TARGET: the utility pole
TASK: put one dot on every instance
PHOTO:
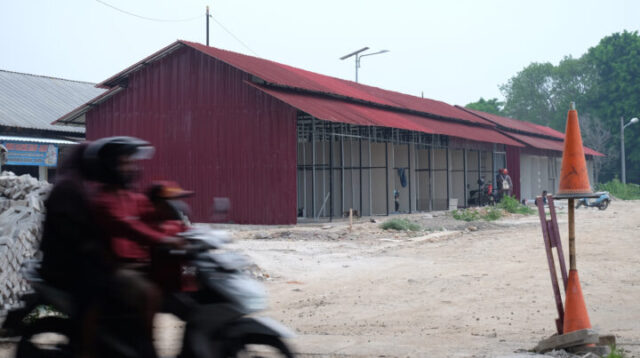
(208, 16)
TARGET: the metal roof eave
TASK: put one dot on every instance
(71, 118)
(316, 105)
(36, 140)
(122, 75)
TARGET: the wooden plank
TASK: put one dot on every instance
(556, 234)
(573, 339)
(551, 264)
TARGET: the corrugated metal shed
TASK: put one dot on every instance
(213, 133)
(30, 101)
(337, 110)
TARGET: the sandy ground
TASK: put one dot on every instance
(483, 292)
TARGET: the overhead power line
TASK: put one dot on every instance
(149, 18)
(234, 36)
(179, 20)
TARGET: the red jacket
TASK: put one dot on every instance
(118, 214)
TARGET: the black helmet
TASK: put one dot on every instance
(101, 158)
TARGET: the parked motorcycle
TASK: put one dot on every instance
(211, 292)
(602, 202)
(483, 196)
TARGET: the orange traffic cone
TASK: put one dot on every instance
(575, 314)
(574, 178)
(574, 183)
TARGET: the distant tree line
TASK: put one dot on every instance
(605, 85)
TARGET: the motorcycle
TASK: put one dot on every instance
(211, 292)
(602, 202)
(483, 196)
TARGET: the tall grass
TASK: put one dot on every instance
(621, 191)
(512, 205)
(615, 353)
(490, 213)
(400, 225)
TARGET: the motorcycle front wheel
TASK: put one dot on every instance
(259, 346)
(46, 337)
(603, 205)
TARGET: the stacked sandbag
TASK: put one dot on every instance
(21, 215)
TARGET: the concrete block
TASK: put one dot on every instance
(576, 338)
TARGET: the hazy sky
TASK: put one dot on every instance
(454, 51)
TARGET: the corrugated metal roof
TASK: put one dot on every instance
(360, 104)
(288, 76)
(535, 129)
(35, 140)
(337, 110)
(516, 124)
(31, 101)
(543, 143)
(76, 116)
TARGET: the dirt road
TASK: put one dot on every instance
(482, 293)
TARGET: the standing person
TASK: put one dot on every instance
(4, 156)
(117, 209)
(505, 185)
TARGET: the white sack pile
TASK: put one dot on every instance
(21, 217)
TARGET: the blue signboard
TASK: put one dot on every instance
(38, 154)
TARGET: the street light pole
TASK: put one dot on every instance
(359, 56)
(622, 158)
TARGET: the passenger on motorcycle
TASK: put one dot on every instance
(169, 213)
(76, 258)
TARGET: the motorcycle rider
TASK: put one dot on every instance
(112, 163)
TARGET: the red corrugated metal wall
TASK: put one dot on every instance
(213, 134)
(513, 164)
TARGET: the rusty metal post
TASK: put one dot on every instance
(572, 236)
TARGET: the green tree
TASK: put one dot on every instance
(573, 81)
(493, 106)
(604, 85)
(617, 95)
(529, 94)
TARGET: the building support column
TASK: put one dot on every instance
(331, 173)
(386, 172)
(313, 167)
(466, 189)
(411, 201)
(43, 173)
(431, 181)
(342, 168)
(360, 169)
(448, 160)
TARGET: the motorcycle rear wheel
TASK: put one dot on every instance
(259, 346)
(46, 337)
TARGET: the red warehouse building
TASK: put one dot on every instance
(285, 144)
